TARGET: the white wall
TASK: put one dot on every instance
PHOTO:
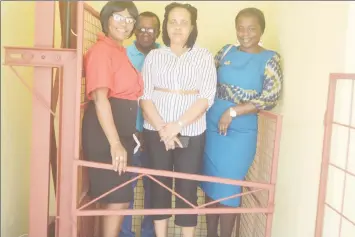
(312, 38)
(341, 186)
(17, 29)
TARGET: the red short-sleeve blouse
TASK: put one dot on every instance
(106, 64)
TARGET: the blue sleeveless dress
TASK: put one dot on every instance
(242, 78)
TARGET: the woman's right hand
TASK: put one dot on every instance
(119, 157)
(224, 123)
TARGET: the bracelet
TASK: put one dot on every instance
(111, 144)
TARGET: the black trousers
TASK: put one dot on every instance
(186, 160)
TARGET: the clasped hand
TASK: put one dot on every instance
(168, 134)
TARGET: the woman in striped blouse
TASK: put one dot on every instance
(179, 87)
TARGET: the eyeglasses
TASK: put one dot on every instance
(121, 19)
(146, 30)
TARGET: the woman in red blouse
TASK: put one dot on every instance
(113, 87)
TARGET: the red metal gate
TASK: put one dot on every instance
(73, 218)
(336, 209)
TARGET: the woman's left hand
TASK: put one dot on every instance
(170, 145)
(170, 131)
(224, 122)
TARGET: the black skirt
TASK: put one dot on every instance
(96, 148)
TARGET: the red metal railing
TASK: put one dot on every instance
(72, 218)
(43, 57)
(336, 209)
(257, 207)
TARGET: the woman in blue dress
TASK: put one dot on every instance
(249, 80)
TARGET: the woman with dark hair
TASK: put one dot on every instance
(249, 80)
(179, 86)
(113, 87)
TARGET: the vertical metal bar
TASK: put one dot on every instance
(347, 159)
(65, 21)
(325, 156)
(74, 201)
(41, 119)
(67, 154)
(79, 50)
(273, 172)
(79, 72)
(54, 148)
(70, 116)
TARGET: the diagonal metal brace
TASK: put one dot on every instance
(43, 60)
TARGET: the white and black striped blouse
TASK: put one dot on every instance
(194, 70)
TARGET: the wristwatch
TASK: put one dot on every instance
(232, 112)
(181, 124)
